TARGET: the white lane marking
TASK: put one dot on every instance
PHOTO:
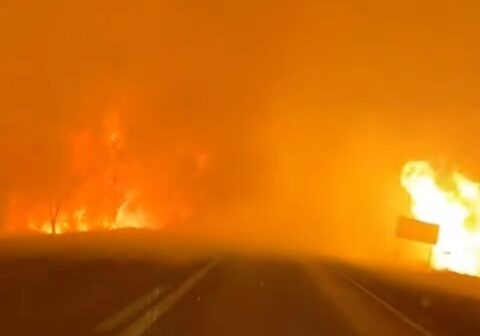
(388, 306)
(132, 309)
(144, 322)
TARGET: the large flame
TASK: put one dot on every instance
(101, 182)
(77, 220)
(453, 202)
(99, 198)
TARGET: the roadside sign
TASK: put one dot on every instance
(412, 229)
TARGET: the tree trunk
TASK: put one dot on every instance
(54, 209)
(54, 226)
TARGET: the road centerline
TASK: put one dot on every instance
(134, 308)
(146, 320)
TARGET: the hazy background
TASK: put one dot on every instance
(275, 123)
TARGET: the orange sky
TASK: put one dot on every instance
(305, 109)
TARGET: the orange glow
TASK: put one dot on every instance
(98, 198)
(455, 207)
(77, 221)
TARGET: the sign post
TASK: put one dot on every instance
(415, 230)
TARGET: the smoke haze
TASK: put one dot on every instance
(273, 123)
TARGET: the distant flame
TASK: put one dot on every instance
(455, 207)
(120, 209)
(102, 186)
(77, 221)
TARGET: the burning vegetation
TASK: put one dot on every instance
(452, 201)
(100, 193)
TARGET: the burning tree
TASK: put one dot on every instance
(92, 194)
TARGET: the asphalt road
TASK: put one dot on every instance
(225, 296)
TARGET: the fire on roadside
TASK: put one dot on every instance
(101, 196)
(77, 220)
(452, 201)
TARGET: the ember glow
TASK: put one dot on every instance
(453, 202)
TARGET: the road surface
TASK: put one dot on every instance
(222, 296)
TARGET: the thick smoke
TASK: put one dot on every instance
(272, 123)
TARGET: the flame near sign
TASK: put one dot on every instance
(453, 202)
